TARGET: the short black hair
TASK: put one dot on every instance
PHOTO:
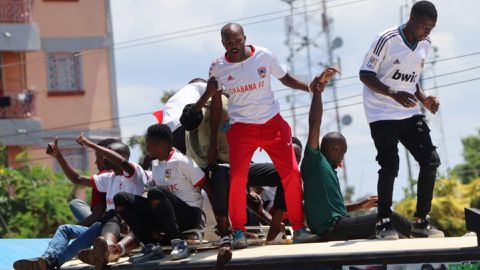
(197, 80)
(424, 8)
(120, 148)
(159, 132)
(106, 142)
(296, 141)
(190, 119)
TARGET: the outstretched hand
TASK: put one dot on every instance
(369, 202)
(52, 148)
(318, 83)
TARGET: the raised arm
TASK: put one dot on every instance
(110, 155)
(316, 107)
(77, 179)
(210, 91)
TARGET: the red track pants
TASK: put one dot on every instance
(275, 138)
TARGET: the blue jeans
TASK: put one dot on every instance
(80, 209)
(59, 247)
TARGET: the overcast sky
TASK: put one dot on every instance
(147, 67)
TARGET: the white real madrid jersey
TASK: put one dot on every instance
(398, 64)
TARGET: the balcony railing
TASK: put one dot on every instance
(15, 11)
(17, 105)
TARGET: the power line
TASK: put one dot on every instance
(119, 46)
(62, 146)
(327, 109)
(436, 87)
(359, 84)
(78, 124)
(148, 113)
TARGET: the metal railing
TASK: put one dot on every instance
(18, 105)
(15, 11)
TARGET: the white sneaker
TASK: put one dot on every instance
(280, 239)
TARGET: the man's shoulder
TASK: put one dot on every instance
(388, 32)
(259, 50)
(104, 173)
(179, 158)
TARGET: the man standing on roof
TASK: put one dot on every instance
(243, 72)
(391, 72)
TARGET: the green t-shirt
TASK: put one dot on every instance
(321, 191)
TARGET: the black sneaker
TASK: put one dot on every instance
(40, 263)
(385, 230)
(149, 252)
(421, 228)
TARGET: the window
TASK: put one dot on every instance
(64, 73)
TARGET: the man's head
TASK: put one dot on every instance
(233, 40)
(197, 80)
(119, 148)
(423, 18)
(297, 148)
(334, 147)
(159, 141)
(99, 160)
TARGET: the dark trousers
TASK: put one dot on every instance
(363, 227)
(160, 211)
(414, 134)
(259, 174)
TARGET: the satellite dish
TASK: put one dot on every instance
(337, 43)
(347, 120)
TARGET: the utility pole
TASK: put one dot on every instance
(403, 13)
(331, 46)
(298, 43)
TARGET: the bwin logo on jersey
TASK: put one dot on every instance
(404, 77)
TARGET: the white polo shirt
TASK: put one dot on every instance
(182, 176)
(111, 183)
(398, 64)
(247, 83)
(190, 93)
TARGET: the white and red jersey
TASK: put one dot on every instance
(112, 183)
(180, 175)
(247, 83)
(398, 64)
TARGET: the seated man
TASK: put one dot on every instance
(86, 214)
(326, 213)
(113, 157)
(173, 204)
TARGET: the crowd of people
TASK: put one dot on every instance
(202, 148)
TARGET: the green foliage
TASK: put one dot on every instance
(140, 141)
(33, 202)
(166, 95)
(471, 154)
(450, 198)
